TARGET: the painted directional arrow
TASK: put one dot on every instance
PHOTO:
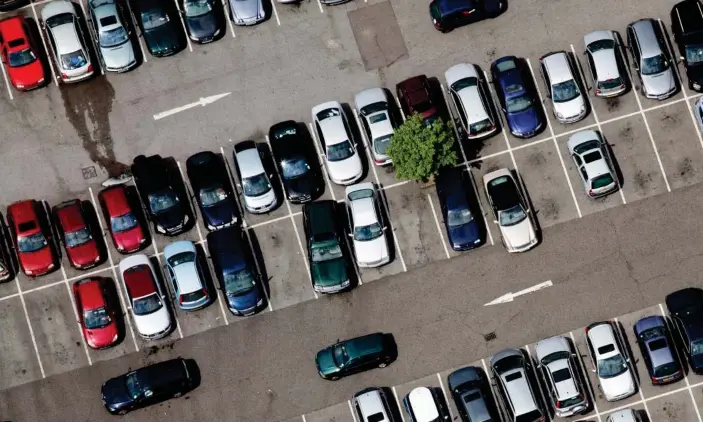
(509, 297)
(202, 102)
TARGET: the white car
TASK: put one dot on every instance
(471, 101)
(625, 415)
(113, 41)
(422, 404)
(559, 370)
(567, 100)
(332, 130)
(609, 358)
(366, 226)
(259, 194)
(592, 159)
(513, 217)
(146, 300)
(66, 40)
(372, 108)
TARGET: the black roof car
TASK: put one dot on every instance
(449, 14)
(212, 189)
(147, 385)
(296, 159)
(471, 393)
(162, 194)
(687, 30)
(503, 192)
(686, 309)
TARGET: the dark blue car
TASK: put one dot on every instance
(212, 189)
(686, 310)
(517, 96)
(236, 271)
(449, 14)
(658, 353)
(454, 190)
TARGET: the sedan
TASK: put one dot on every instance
(160, 28)
(592, 159)
(513, 217)
(612, 364)
(114, 45)
(76, 235)
(212, 189)
(415, 97)
(246, 12)
(186, 276)
(67, 41)
(202, 19)
(259, 194)
(366, 226)
(97, 314)
(563, 88)
(657, 350)
(376, 121)
(464, 231)
(685, 307)
(19, 54)
(449, 14)
(125, 228)
(517, 96)
(152, 318)
(471, 101)
(603, 56)
(32, 238)
(332, 128)
(650, 56)
(560, 371)
(296, 159)
(358, 354)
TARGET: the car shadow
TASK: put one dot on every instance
(677, 345)
(315, 164)
(353, 270)
(628, 350)
(534, 379)
(169, 294)
(195, 373)
(582, 375)
(49, 225)
(179, 185)
(91, 220)
(614, 161)
(445, 113)
(140, 214)
(43, 55)
(533, 90)
(358, 140)
(385, 216)
(210, 284)
(624, 61)
(7, 249)
(91, 44)
(270, 168)
(259, 261)
(475, 205)
(394, 405)
(530, 204)
(113, 302)
(575, 64)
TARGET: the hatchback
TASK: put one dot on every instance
(416, 97)
(146, 300)
(657, 350)
(687, 30)
(67, 42)
(76, 235)
(160, 28)
(449, 14)
(186, 276)
(510, 369)
(651, 59)
(32, 237)
(559, 370)
(604, 59)
(423, 404)
(471, 101)
(19, 54)
(592, 159)
(685, 307)
(212, 189)
(376, 122)
(472, 395)
(114, 45)
(296, 158)
(517, 96)
(358, 354)
(372, 405)
(337, 143)
(366, 226)
(610, 360)
(122, 220)
(457, 200)
(568, 102)
(246, 12)
(259, 194)
(97, 312)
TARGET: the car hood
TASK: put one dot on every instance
(325, 361)
(38, 260)
(153, 323)
(659, 84)
(170, 218)
(371, 251)
(468, 234)
(162, 39)
(220, 213)
(619, 385)
(27, 75)
(83, 254)
(571, 108)
(203, 26)
(130, 239)
(344, 169)
(118, 57)
(524, 121)
(115, 393)
(305, 185)
(247, 9)
(518, 235)
(329, 273)
(261, 200)
(246, 301)
(101, 337)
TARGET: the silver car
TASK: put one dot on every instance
(376, 120)
(186, 276)
(651, 59)
(67, 41)
(470, 100)
(603, 56)
(567, 100)
(592, 160)
(112, 36)
(559, 370)
(246, 12)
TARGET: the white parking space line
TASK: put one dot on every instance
(49, 54)
(46, 286)
(12, 296)
(399, 406)
(225, 8)
(275, 12)
(113, 268)
(303, 417)
(446, 397)
(400, 109)
(7, 81)
(351, 410)
(439, 228)
(323, 160)
(319, 4)
(183, 23)
(75, 313)
(29, 325)
(584, 370)
(136, 28)
(274, 220)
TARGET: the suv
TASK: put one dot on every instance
(358, 354)
(651, 59)
(563, 87)
(471, 393)
(560, 373)
(371, 405)
(415, 96)
(423, 404)
(510, 371)
(259, 194)
(328, 262)
(449, 14)
(686, 310)
(610, 360)
(687, 29)
(471, 101)
(164, 200)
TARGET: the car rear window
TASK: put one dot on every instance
(376, 417)
(506, 65)
(512, 377)
(606, 349)
(15, 43)
(666, 369)
(610, 83)
(592, 156)
(561, 375)
(472, 397)
(192, 296)
(602, 181)
(657, 344)
(29, 225)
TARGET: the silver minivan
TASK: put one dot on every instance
(651, 58)
(371, 405)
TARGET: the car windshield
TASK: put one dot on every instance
(665, 369)
(31, 243)
(535, 415)
(380, 144)
(519, 103)
(181, 258)
(326, 251)
(553, 357)
(457, 218)
(369, 232)
(602, 181)
(113, 37)
(239, 282)
(256, 185)
(123, 223)
(294, 168)
(612, 366)
(569, 402)
(654, 65)
(512, 216)
(328, 113)
(610, 83)
(697, 348)
(72, 61)
(196, 8)
(340, 356)
(147, 304)
(153, 19)
(162, 201)
(480, 126)
(340, 151)
(464, 83)
(21, 58)
(601, 45)
(78, 237)
(60, 19)
(694, 54)
(651, 333)
(133, 388)
(212, 196)
(96, 318)
(565, 91)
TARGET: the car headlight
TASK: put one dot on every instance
(696, 85)
(559, 115)
(41, 80)
(20, 86)
(216, 33)
(114, 339)
(210, 227)
(193, 37)
(142, 241)
(29, 272)
(186, 219)
(160, 229)
(51, 266)
(260, 302)
(97, 259)
(345, 284)
(121, 249)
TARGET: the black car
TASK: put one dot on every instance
(163, 195)
(686, 310)
(8, 5)
(449, 14)
(687, 29)
(159, 23)
(471, 393)
(212, 189)
(6, 267)
(203, 19)
(146, 386)
(295, 157)
(454, 191)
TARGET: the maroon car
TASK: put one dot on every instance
(76, 236)
(415, 96)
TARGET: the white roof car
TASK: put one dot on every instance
(366, 225)
(377, 122)
(146, 300)
(625, 415)
(112, 35)
(611, 363)
(183, 271)
(559, 370)
(69, 46)
(472, 102)
(332, 130)
(259, 194)
(603, 55)
(567, 101)
(421, 406)
(513, 217)
(592, 160)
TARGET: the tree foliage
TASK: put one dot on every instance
(419, 151)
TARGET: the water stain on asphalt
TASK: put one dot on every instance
(642, 180)
(537, 159)
(669, 120)
(626, 133)
(612, 103)
(685, 168)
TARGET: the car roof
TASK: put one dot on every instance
(333, 130)
(471, 99)
(186, 273)
(510, 77)
(452, 187)
(321, 215)
(290, 144)
(557, 66)
(24, 212)
(687, 299)
(690, 15)
(518, 390)
(423, 405)
(364, 211)
(645, 33)
(90, 294)
(605, 60)
(115, 199)
(13, 29)
(139, 282)
(414, 89)
(151, 172)
(70, 215)
(450, 6)
(602, 334)
(205, 167)
(370, 402)
(226, 246)
(166, 373)
(67, 40)
(369, 96)
(249, 160)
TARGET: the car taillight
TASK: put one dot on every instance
(590, 192)
(180, 300)
(558, 404)
(655, 380)
(467, 12)
(205, 293)
(64, 76)
(90, 67)
(598, 91)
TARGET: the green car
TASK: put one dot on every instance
(326, 251)
(355, 355)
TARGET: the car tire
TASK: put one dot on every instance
(177, 395)
(383, 364)
(122, 412)
(333, 378)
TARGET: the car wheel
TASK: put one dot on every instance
(177, 395)
(333, 378)
(122, 412)
(382, 365)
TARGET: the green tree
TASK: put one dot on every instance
(419, 151)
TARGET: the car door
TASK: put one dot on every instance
(460, 109)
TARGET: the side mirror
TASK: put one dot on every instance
(495, 221)
(528, 210)
(385, 228)
(350, 235)
(593, 370)
(681, 58)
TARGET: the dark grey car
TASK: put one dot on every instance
(471, 394)
(658, 352)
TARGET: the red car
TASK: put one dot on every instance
(415, 96)
(32, 238)
(125, 229)
(19, 55)
(76, 236)
(95, 314)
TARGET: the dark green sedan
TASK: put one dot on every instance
(160, 26)
(348, 357)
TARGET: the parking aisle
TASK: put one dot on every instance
(341, 412)
(20, 362)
